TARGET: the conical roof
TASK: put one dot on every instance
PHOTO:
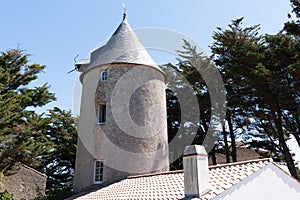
(123, 47)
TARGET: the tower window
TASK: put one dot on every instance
(104, 76)
(98, 171)
(102, 114)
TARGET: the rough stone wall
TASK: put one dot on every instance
(140, 139)
(26, 183)
(84, 168)
(105, 142)
(242, 154)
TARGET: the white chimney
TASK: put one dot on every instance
(196, 173)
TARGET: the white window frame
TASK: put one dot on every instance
(102, 114)
(104, 76)
(97, 173)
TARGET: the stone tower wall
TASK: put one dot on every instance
(89, 135)
(130, 144)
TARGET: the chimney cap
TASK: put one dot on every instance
(194, 150)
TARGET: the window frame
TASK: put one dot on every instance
(104, 76)
(101, 114)
(100, 174)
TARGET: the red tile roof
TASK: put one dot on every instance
(170, 185)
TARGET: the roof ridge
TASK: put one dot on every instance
(33, 170)
(155, 174)
(240, 162)
(209, 167)
(278, 166)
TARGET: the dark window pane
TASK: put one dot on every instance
(102, 114)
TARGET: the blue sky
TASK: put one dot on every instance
(55, 31)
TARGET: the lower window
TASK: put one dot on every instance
(98, 171)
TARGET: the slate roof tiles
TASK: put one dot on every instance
(123, 47)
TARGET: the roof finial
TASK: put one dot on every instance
(124, 13)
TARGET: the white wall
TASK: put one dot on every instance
(267, 183)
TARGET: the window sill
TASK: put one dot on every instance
(101, 123)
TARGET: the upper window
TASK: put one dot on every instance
(98, 171)
(104, 76)
(102, 114)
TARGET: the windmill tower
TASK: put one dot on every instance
(122, 124)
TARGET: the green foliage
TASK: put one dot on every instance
(46, 142)
(18, 125)
(263, 74)
(56, 193)
(59, 193)
(6, 196)
(59, 161)
(187, 77)
(293, 27)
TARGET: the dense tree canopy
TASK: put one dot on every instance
(266, 68)
(18, 124)
(187, 77)
(261, 74)
(47, 141)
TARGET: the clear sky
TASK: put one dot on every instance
(55, 31)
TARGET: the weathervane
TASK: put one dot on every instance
(124, 13)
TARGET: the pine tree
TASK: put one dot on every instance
(262, 65)
(47, 141)
(17, 103)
